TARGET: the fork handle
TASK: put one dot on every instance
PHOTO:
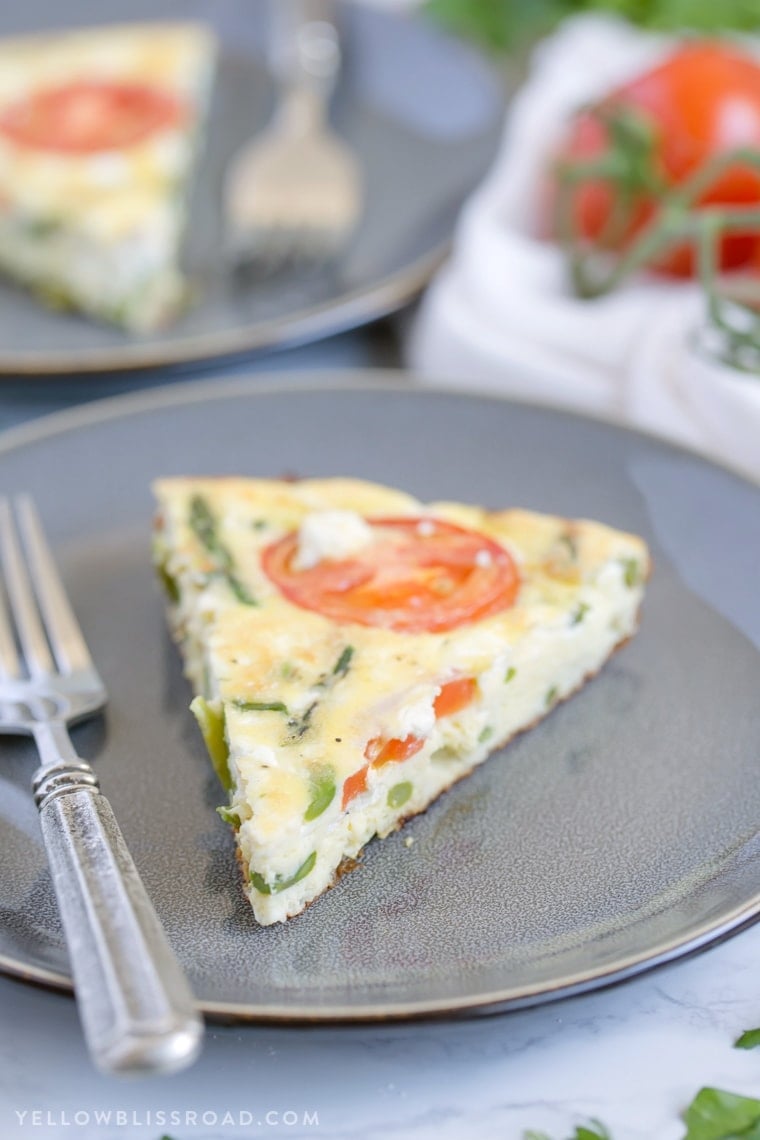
(137, 1011)
(307, 56)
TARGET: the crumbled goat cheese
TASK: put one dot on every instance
(330, 534)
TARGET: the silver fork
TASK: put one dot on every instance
(136, 1007)
(293, 194)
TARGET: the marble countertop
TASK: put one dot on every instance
(632, 1056)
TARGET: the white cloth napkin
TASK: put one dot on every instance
(500, 316)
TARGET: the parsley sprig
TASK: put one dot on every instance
(512, 26)
(714, 1114)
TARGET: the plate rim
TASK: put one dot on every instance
(324, 381)
(309, 325)
(272, 381)
(504, 1000)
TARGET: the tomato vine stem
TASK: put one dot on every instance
(630, 167)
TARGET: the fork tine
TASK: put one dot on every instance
(31, 635)
(63, 631)
(10, 665)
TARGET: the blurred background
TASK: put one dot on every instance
(570, 186)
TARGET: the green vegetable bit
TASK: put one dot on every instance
(298, 726)
(240, 591)
(323, 787)
(261, 706)
(160, 560)
(551, 696)
(37, 228)
(344, 661)
(718, 1115)
(579, 613)
(169, 583)
(281, 884)
(210, 718)
(399, 794)
(485, 734)
(204, 527)
(510, 674)
(631, 572)
(229, 816)
(750, 1039)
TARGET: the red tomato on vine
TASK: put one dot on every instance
(648, 138)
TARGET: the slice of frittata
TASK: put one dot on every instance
(98, 135)
(354, 651)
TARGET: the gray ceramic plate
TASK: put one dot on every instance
(422, 114)
(620, 833)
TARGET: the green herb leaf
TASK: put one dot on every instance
(485, 734)
(281, 884)
(510, 673)
(261, 706)
(551, 696)
(718, 1115)
(229, 816)
(750, 1039)
(322, 786)
(512, 26)
(594, 1130)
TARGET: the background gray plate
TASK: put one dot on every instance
(620, 832)
(423, 115)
